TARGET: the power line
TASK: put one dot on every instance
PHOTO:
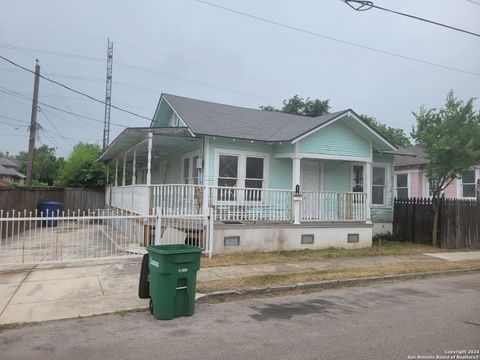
(12, 125)
(75, 91)
(298, 29)
(179, 78)
(363, 5)
(51, 123)
(14, 93)
(13, 119)
(74, 123)
(51, 52)
(473, 2)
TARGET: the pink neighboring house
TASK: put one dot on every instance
(411, 180)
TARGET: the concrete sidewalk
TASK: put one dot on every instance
(60, 291)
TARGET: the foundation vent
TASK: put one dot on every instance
(353, 238)
(307, 238)
(231, 240)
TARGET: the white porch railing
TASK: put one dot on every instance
(180, 199)
(333, 206)
(239, 204)
(133, 198)
(233, 203)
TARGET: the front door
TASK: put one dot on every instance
(310, 175)
(311, 183)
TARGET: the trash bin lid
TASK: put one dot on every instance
(174, 249)
(51, 203)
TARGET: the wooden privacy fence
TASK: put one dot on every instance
(27, 198)
(458, 222)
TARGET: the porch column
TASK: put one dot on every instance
(124, 165)
(134, 165)
(149, 161)
(295, 182)
(116, 173)
(368, 188)
(108, 173)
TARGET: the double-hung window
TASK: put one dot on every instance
(402, 185)
(378, 185)
(468, 184)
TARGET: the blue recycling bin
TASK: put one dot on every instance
(49, 209)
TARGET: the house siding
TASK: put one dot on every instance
(336, 139)
(173, 173)
(280, 170)
(284, 148)
(337, 176)
(384, 213)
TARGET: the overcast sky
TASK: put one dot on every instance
(191, 49)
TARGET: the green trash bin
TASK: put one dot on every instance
(173, 279)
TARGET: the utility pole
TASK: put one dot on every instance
(108, 95)
(33, 125)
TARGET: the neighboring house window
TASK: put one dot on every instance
(428, 190)
(402, 186)
(378, 185)
(357, 178)
(468, 184)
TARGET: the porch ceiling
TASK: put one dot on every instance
(164, 140)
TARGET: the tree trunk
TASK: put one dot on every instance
(435, 207)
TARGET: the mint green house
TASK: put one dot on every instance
(269, 180)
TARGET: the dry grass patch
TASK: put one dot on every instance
(256, 257)
(330, 274)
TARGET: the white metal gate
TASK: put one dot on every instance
(34, 237)
(196, 230)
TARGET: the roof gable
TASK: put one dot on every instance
(208, 118)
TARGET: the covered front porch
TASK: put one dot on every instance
(170, 171)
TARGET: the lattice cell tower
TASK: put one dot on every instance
(108, 95)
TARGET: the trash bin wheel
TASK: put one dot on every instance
(150, 306)
(143, 285)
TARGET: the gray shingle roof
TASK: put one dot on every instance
(7, 171)
(420, 157)
(9, 163)
(208, 118)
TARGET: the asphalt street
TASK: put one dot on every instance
(401, 320)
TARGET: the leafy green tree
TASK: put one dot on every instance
(45, 164)
(300, 106)
(82, 169)
(450, 138)
(394, 135)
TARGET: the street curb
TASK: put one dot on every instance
(326, 284)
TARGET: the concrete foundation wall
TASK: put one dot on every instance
(382, 227)
(288, 237)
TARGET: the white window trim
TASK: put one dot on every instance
(190, 155)
(386, 186)
(242, 155)
(460, 183)
(409, 182)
